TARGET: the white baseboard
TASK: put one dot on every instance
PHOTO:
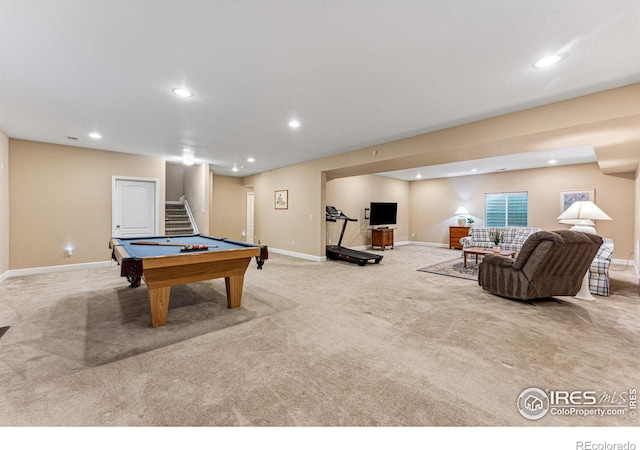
(298, 255)
(627, 263)
(100, 264)
(622, 262)
(429, 244)
(63, 268)
(395, 244)
(324, 258)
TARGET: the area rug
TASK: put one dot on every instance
(454, 268)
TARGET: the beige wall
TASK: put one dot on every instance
(352, 195)
(61, 195)
(588, 119)
(4, 204)
(636, 228)
(300, 228)
(196, 192)
(433, 202)
(608, 120)
(228, 217)
(175, 181)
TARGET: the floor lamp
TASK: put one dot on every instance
(581, 215)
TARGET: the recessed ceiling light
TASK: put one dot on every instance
(418, 176)
(95, 135)
(182, 92)
(235, 169)
(251, 159)
(552, 161)
(187, 156)
(294, 124)
(474, 170)
(548, 61)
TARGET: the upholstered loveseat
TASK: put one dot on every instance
(599, 269)
(512, 237)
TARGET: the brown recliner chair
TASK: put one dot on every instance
(550, 263)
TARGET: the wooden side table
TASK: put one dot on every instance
(455, 233)
(382, 237)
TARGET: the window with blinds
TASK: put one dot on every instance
(506, 209)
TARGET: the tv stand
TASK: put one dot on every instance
(382, 237)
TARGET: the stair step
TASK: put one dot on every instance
(172, 232)
(176, 220)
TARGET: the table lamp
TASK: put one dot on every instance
(461, 218)
(581, 215)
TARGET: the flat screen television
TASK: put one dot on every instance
(383, 213)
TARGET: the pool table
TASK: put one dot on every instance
(166, 261)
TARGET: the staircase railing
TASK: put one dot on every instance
(191, 219)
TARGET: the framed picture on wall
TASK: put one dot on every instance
(568, 197)
(282, 199)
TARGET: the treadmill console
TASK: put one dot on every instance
(333, 213)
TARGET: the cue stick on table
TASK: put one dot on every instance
(174, 244)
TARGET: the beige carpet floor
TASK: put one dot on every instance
(314, 344)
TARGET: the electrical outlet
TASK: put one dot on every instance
(329, 241)
(293, 242)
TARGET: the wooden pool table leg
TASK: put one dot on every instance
(159, 305)
(234, 290)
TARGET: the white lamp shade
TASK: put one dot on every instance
(461, 210)
(583, 210)
(577, 222)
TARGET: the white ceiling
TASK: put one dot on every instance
(520, 161)
(353, 72)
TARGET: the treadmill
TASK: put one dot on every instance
(338, 252)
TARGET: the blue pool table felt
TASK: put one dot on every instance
(144, 251)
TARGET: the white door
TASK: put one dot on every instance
(134, 211)
(250, 226)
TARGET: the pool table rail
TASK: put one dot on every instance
(160, 272)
